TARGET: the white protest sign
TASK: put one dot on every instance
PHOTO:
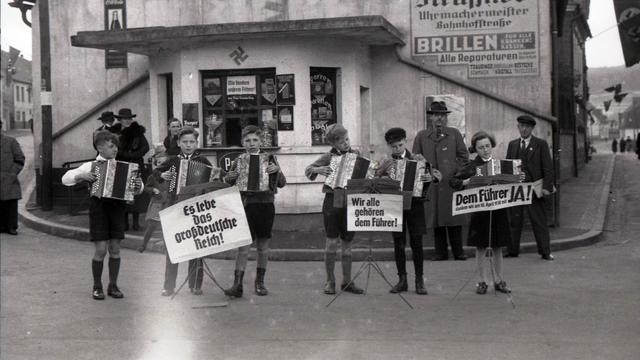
(492, 197)
(205, 225)
(374, 212)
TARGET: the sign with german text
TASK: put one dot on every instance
(205, 225)
(241, 85)
(491, 38)
(493, 197)
(115, 19)
(374, 212)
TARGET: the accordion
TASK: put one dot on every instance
(115, 179)
(347, 167)
(185, 172)
(497, 167)
(408, 173)
(252, 172)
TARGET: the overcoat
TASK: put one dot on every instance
(11, 163)
(479, 221)
(132, 148)
(448, 154)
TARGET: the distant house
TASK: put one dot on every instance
(17, 99)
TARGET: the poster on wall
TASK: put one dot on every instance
(285, 118)
(115, 18)
(323, 103)
(268, 90)
(190, 115)
(492, 39)
(455, 104)
(286, 89)
(212, 91)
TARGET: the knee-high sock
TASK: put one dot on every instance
(330, 258)
(481, 254)
(346, 261)
(263, 253)
(96, 269)
(114, 269)
(242, 257)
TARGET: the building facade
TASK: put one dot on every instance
(17, 100)
(295, 67)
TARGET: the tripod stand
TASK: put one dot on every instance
(492, 265)
(200, 264)
(368, 264)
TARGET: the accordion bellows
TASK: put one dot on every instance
(408, 173)
(252, 172)
(347, 167)
(115, 179)
(185, 173)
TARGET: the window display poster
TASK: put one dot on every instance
(212, 91)
(490, 38)
(190, 115)
(115, 18)
(268, 89)
(239, 86)
(286, 89)
(285, 118)
(455, 104)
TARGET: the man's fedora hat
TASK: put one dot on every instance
(107, 116)
(527, 120)
(438, 107)
(125, 113)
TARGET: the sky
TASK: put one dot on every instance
(602, 50)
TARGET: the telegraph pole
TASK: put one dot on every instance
(46, 102)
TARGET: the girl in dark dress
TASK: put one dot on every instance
(479, 230)
(171, 141)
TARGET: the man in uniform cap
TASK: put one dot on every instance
(536, 164)
(443, 147)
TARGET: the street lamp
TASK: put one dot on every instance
(23, 6)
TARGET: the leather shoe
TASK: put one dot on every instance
(511, 255)
(167, 292)
(461, 257)
(114, 292)
(352, 288)
(330, 288)
(197, 291)
(548, 257)
(97, 294)
(502, 287)
(481, 288)
(12, 232)
(420, 289)
(439, 258)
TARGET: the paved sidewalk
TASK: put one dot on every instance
(583, 204)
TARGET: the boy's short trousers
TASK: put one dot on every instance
(335, 220)
(106, 219)
(260, 217)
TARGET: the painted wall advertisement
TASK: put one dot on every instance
(205, 225)
(492, 38)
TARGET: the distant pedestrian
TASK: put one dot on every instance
(638, 146)
(614, 146)
(537, 164)
(11, 163)
(629, 144)
(623, 145)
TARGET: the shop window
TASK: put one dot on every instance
(233, 99)
(323, 103)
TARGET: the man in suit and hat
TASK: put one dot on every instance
(536, 164)
(109, 122)
(443, 147)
